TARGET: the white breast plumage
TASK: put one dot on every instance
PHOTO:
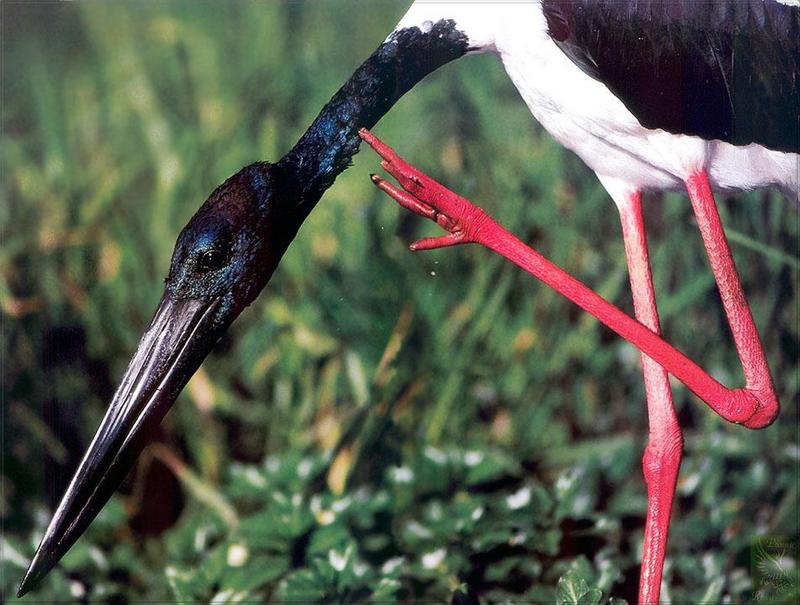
(587, 118)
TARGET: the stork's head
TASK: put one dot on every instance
(223, 258)
(228, 250)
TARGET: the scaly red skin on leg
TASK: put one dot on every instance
(754, 406)
(662, 457)
(740, 320)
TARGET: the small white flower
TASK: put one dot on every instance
(99, 558)
(419, 530)
(689, 484)
(273, 464)
(435, 511)
(76, 589)
(338, 560)
(436, 455)
(237, 555)
(341, 505)
(222, 597)
(473, 458)
(792, 451)
(326, 517)
(304, 468)
(200, 538)
(519, 498)
(402, 474)
(359, 569)
(254, 477)
(567, 480)
(432, 560)
(391, 565)
(563, 483)
(322, 515)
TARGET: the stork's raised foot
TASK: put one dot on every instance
(427, 198)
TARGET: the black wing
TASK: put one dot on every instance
(718, 69)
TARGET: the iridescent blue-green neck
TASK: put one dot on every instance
(405, 58)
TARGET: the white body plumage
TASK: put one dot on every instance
(587, 118)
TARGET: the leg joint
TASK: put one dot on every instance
(663, 454)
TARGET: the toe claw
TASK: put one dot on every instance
(443, 241)
(408, 176)
(406, 200)
(381, 148)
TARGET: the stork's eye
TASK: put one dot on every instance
(210, 260)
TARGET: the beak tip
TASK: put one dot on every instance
(27, 582)
(41, 564)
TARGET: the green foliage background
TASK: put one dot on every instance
(379, 425)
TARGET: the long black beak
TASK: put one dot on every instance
(176, 342)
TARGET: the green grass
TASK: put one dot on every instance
(379, 425)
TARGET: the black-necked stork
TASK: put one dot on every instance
(652, 95)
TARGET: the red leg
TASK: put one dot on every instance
(754, 406)
(745, 335)
(662, 456)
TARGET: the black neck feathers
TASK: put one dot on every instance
(407, 56)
